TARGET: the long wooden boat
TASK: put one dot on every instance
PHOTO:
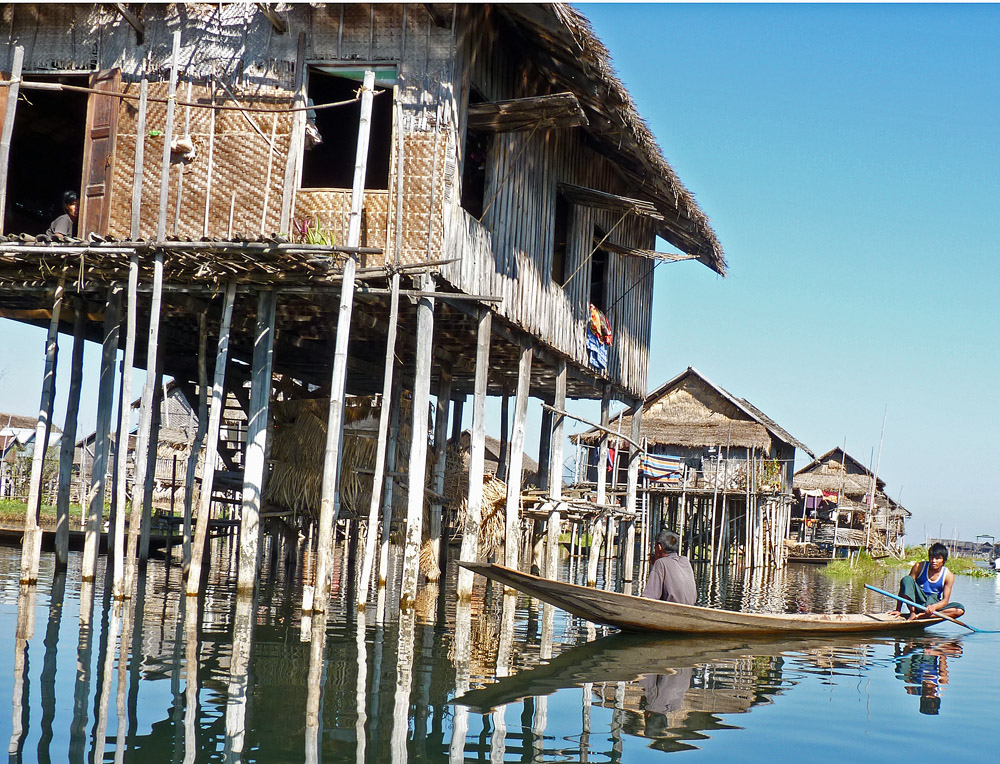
(630, 613)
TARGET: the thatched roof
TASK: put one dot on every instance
(707, 416)
(20, 422)
(838, 472)
(576, 60)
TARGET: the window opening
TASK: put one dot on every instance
(560, 239)
(599, 273)
(477, 146)
(46, 154)
(332, 134)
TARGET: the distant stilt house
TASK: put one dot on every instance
(311, 201)
(17, 446)
(717, 469)
(834, 507)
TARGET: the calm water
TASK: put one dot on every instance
(218, 680)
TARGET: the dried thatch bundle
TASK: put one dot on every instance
(492, 524)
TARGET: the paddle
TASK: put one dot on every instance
(935, 613)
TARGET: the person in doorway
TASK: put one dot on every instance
(65, 224)
(929, 584)
(670, 577)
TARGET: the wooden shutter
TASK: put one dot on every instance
(99, 154)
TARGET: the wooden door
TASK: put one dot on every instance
(99, 154)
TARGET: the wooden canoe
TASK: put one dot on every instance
(630, 613)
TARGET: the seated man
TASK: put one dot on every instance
(929, 584)
(670, 578)
(65, 224)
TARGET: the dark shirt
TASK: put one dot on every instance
(672, 580)
(63, 224)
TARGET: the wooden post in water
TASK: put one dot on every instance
(67, 445)
(199, 436)
(477, 456)
(31, 546)
(149, 477)
(502, 457)
(379, 482)
(253, 463)
(193, 583)
(416, 476)
(389, 484)
(440, 459)
(330, 494)
(555, 459)
(544, 447)
(102, 440)
(631, 492)
(597, 531)
(513, 505)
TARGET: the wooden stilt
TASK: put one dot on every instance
(477, 453)
(458, 407)
(631, 492)
(440, 459)
(149, 479)
(193, 583)
(102, 441)
(8, 127)
(379, 481)
(199, 437)
(416, 478)
(330, 496)
(597, 532)
(253, 462)
(31, 546)
(544, 447)
(504, 437)
(67, 445)
(389, 484)
(513, 506)
(555, 459)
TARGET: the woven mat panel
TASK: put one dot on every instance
(388, 31)
(357, 31)
(332, 209)
(42, 29)
(321, 42)
(418, 181)
(239, 164)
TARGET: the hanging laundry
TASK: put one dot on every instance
(662, 469)
(611, 459)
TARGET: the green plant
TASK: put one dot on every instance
(309, 231)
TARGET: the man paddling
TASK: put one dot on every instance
(670, 578)
(929, 584)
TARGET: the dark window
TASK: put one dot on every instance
(599, 273)
(560, 239)
(477, 146)
(46, 154)
(329, 163)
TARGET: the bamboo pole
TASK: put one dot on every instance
(8, 128)
(440, 459)
(555, 451)
(211, 443)
(67, 445)
(31, 546)
(295, 143)
(416, 478)
(502, 457)
(330, 495)
(102, 440)
(477, 455)
(152, 446)
(379, 480)
(253, 462)
(389, 484)
(514, 471)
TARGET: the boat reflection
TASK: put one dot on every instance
(671, 690)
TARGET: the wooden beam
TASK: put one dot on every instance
(279, 24)
(199, 438)
(600, 427)
(549, 111)
(440, 458)
(598, 531)
(133, 21)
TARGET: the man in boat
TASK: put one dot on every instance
(929, 584)
(670, 578)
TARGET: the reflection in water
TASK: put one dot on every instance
(923, 666)
(220, 678)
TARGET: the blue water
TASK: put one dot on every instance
(383, 688)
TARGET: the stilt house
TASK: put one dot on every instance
(835, 507)
(462, 189)
(716, 468)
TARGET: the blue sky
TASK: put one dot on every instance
(847, 156)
